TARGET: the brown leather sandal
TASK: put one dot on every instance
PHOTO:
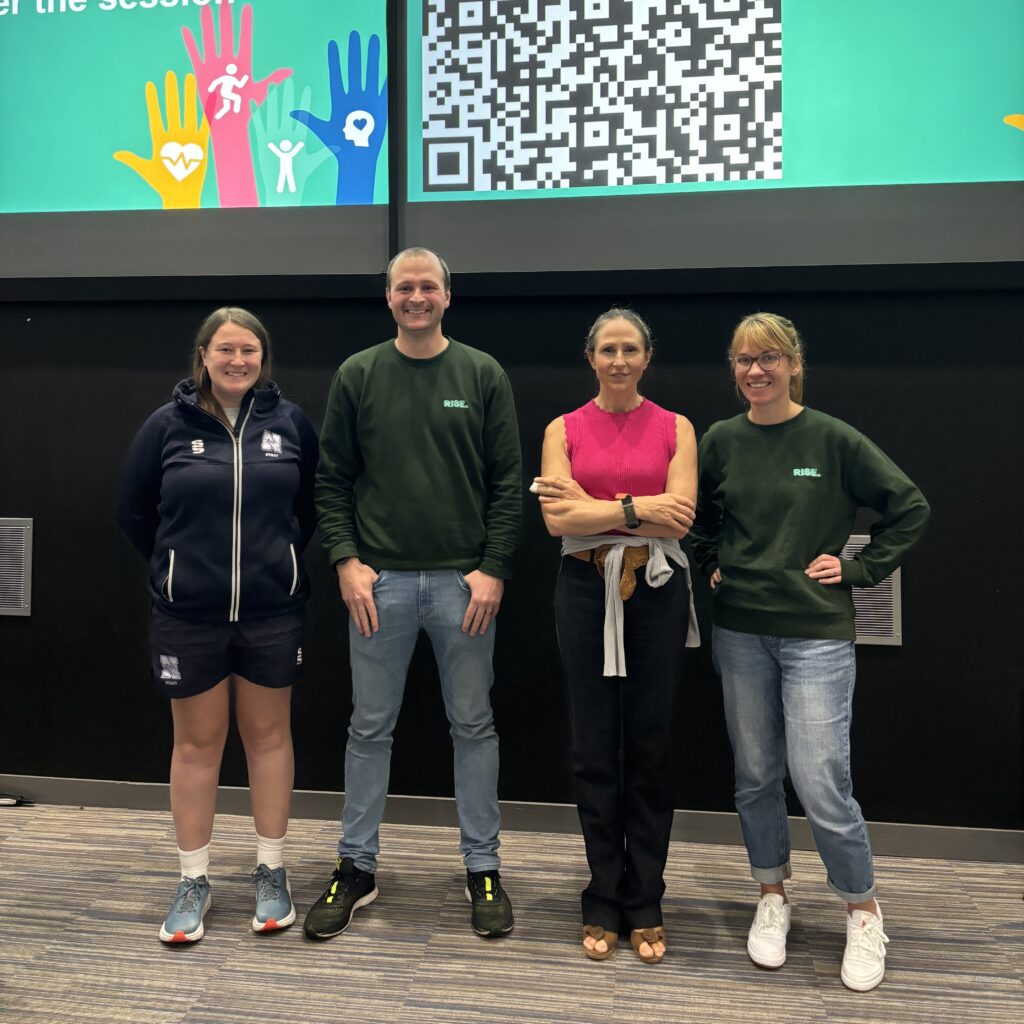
(638, 936)
(597, 933)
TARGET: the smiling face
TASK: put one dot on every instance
(773, 394)
(762, 388)
(417, 296)
(619, 358)
(232, 360)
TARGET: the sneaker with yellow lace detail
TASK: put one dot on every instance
(492, 909)
(349, 889)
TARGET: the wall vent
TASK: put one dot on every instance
(879, 609)
(15, 566)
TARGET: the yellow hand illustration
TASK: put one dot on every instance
(176, 169)
(1017, 120)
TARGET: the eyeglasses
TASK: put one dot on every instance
(766, 360)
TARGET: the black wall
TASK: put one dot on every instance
(929, 370)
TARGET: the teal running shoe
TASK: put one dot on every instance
(184, 922)
(274, 907)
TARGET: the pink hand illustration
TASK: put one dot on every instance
(229, 94)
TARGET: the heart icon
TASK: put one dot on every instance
(359, 123)
(181, 160)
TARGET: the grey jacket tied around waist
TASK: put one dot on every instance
(661, 551)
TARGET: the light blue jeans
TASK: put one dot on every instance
(435, 601)
(788, 701)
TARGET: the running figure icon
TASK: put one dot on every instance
(226, 85)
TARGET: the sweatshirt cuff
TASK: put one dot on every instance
(496, 569)
(346, 549)
(854, 574)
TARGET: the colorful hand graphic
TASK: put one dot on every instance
(176, 169)
(229, 95)
(354, 132)
(1015, 121)
(276, 127)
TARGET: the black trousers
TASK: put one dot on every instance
(621, 739)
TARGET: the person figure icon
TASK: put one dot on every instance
(286, 154)
(226, 84)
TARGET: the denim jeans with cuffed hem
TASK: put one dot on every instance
(435, 601)
(788, 701)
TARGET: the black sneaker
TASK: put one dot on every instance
(349, 890)
(492, 909)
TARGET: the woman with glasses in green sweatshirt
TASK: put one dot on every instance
(780, 485)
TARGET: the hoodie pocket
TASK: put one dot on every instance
(168, 588)
(295, 570)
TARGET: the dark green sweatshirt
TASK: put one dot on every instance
(773, 498)
(420, 465)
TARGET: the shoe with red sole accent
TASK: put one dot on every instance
(184, 922)
(274, 907)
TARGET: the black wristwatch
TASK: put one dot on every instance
(627, 506)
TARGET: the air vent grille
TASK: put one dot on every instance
(879, 609)
(15, 566)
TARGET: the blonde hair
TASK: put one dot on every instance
(769, 332)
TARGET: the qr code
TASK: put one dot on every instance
(541, 94)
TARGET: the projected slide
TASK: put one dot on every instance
(187, 104)
(609, 97)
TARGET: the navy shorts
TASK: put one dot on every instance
(189, 658)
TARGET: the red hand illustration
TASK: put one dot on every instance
(228, 94)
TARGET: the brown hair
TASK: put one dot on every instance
(207, 329)
(769, 332)
(419, 250)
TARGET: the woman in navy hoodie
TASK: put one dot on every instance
(217, 495)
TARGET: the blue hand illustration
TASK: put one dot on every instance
(354, 132)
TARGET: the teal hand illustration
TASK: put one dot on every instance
(288, 153)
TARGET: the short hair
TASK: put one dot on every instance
(207, 329)
(619, 313)
(419, 250)
(770, 332)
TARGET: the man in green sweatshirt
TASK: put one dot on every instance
(419, 502)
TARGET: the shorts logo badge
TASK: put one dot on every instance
(456, 403)
(198, 447)
(271, 444)
(298, 656)
(169, 671)
(806, 471)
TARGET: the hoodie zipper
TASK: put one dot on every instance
(236, 511)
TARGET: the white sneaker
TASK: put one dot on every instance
(766, 942)
(864, 959)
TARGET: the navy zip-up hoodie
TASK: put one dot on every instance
(221, 515)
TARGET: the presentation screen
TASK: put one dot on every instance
(723, 111)
(193, 137)
(252, 137)
(191, 104)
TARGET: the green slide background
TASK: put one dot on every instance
(874, 92)
(72, 91)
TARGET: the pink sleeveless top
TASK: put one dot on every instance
(620, 452)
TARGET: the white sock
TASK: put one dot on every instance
(270, 851)
(195, 863)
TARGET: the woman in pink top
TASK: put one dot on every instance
(618, 485)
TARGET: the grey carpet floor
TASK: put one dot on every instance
(83, 891)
